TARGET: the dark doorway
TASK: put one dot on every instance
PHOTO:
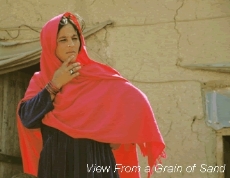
(226, 140)
(32, 69)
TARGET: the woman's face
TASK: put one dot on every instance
(68, 43)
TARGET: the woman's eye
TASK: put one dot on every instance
(75, 38)
(62, 40)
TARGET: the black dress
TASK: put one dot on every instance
(63, 156)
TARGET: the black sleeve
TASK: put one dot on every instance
(32, 111)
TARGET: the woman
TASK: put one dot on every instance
(76, 110)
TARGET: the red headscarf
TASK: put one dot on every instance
(99, 104)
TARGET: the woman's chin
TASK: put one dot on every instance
(74, 59)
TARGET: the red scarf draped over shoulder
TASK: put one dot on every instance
(99, 104)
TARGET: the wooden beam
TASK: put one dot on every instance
(217, 67)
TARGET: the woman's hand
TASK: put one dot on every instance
(115, 146)
(63, 75)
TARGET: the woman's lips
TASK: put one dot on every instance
(71, 52)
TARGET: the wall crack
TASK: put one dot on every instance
(170, 128)
(93, 2)
(178, 32)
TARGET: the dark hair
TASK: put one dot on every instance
(64, 21)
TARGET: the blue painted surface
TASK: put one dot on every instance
(218, 109)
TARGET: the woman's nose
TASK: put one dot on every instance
(71, 43)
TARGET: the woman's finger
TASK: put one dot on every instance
(66, 62)
(71, 66)
(75, 69)
(75, 74)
